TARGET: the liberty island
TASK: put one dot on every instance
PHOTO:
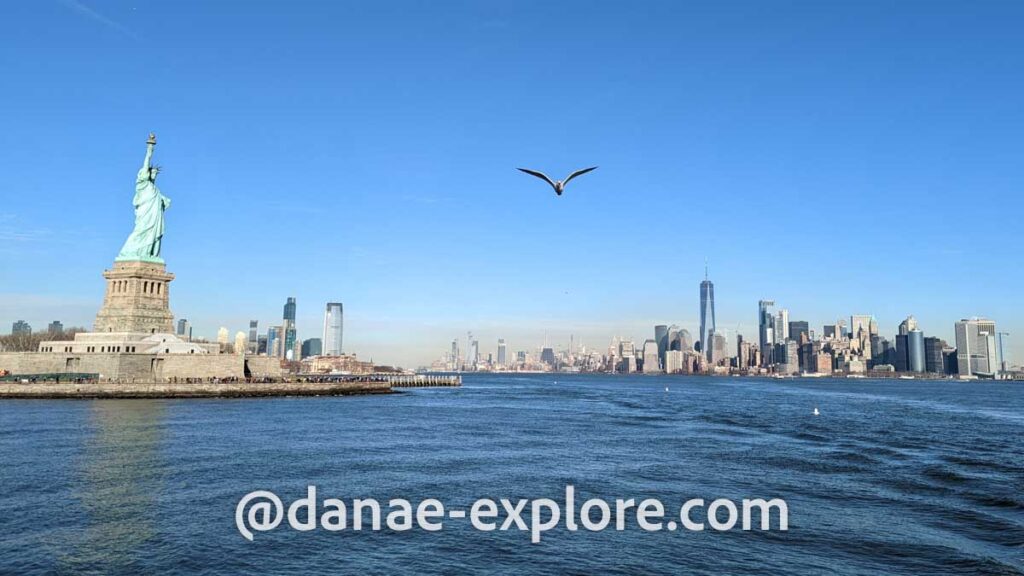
(132, 350)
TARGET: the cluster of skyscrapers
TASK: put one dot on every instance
(282, 340)
(783, 347)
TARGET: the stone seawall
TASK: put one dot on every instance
(177, 390)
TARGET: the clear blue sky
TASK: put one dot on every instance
(857, 157)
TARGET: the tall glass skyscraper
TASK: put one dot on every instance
(707, 316)
(501, 352)
(766, 331)
(334, 323)
(288, 351)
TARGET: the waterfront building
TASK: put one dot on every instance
(501, 352)
(673, 361)
(334, 326)
(933, 359)
(949, 365)
(650, 357)
(707, 315)
(788, 356)
(902, 363)
(910, 355)
(55, 327)
(21, 328)
(915, 351)
(976, 347)
(341, 364)
(313, 347)
(547, 356)
(823, 363)
(766, 331)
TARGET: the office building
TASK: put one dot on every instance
(861, 324)
(547, 356)
(473, 354)
(707, 315)
(661, 337)
(455, 358)
(254, 337)
(766, 331)
(650, 357)
(933, 359)
(782, 325)
(673, 361)
(976, 347)
(55, 327)
(334, 325)
(312, 347)
(274, 346)
(501, 352)
(241, 342)
(184, 330)
(915, 351)
(719, 349)
(21, 328)
(799, 331)
(290, 347)
(683, 341)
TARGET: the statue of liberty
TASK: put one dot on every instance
(144, 242)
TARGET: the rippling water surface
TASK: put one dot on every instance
(894, 477)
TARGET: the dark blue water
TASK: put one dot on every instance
(895, 477)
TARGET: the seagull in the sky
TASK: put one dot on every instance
(558, 185)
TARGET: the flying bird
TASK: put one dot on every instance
(558, 185)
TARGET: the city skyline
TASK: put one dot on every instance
(871, 135)
(556, 338)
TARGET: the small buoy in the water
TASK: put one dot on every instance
(666, 388)
(816, 413)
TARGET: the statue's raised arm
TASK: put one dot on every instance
(147, 161)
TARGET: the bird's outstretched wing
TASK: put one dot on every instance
(540, 175)
(578, 173)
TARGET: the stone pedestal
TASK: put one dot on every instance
(137, 299)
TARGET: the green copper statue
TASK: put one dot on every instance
(144, 243)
